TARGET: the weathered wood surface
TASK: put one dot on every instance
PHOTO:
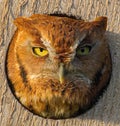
(107, 111)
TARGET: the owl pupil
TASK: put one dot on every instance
(41, 49)
(82, 50)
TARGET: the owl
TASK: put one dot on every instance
(57, 66)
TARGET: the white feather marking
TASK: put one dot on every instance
(48, 46)
(42, 75)
(77, 42)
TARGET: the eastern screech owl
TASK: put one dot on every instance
(58, 66)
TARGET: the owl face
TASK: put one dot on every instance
(58, 66)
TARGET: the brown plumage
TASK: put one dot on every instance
(58, 66)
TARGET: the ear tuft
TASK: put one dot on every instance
(27, 25)
(101, 21)
(22, 22)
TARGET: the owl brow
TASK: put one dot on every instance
(45, 43)
(78, 42)
(48, 46)
(86, 41)
(38, 43)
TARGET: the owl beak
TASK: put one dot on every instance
(61, 73)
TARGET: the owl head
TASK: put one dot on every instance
(58, 66)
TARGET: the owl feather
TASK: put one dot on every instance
(58, 66)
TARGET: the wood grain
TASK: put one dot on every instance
(107, 110)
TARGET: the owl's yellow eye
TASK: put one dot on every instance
(84, 50)
(40, 51)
